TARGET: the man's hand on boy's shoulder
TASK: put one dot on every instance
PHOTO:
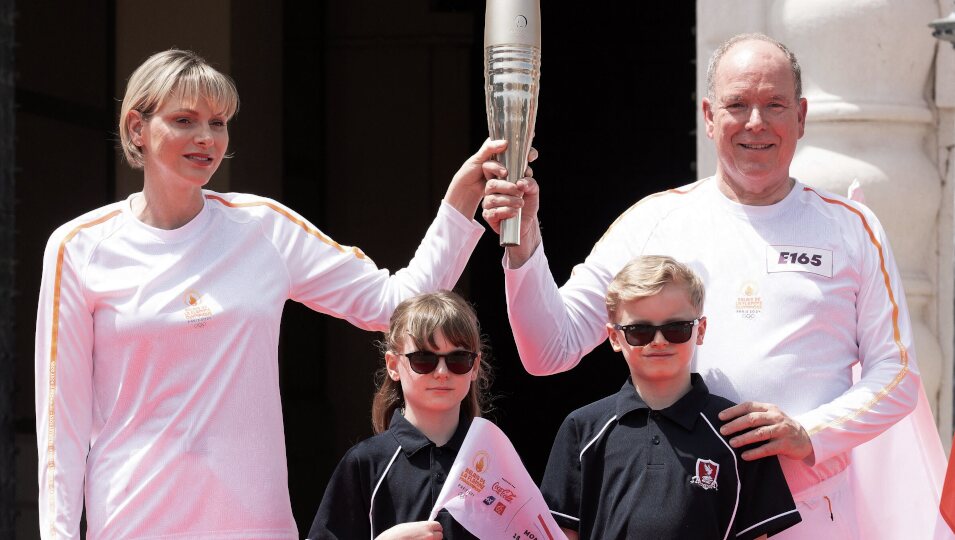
(765, 423)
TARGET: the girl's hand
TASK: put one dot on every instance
(416, 530)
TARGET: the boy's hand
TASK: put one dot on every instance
(758, 422)
(416, 530)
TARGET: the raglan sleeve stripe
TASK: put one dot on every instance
(887, 389)
(63, 360)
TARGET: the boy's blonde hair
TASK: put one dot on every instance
(183, 74)
(646, 276)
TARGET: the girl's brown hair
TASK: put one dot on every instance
(420, 318)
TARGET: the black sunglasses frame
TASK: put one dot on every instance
(676, 332)
(428, 361)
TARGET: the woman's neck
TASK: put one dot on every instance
(167, 207)
(437, 426)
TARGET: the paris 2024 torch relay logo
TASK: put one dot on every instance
(197, 313)
(472, 477)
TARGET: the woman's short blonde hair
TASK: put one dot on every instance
(646, 276)
(184, 74)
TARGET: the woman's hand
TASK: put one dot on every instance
(468, 185)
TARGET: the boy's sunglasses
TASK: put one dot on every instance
(458, 362)
(639, 335)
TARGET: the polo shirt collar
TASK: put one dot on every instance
(684, 412)
(411, 440)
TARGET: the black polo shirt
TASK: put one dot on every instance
(394, 477)
(621, 470)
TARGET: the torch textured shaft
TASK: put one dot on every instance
(512, 80)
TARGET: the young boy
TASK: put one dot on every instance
(649, 461)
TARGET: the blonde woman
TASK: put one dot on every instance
(157, 388)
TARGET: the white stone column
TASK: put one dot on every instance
(869, 79)
(944, 94)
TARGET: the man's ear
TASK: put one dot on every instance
(708, 116)
(700, 330)
(801, 115)
(614, 337)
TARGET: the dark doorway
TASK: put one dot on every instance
(616, 122)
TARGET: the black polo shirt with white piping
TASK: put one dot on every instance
(621, 470)
(394, 477)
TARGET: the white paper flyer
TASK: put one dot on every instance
(491, 494)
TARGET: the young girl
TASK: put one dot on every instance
(432, 384)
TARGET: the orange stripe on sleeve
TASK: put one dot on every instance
(674, 191)
(897, 334)
(301, 223)
(54, 342)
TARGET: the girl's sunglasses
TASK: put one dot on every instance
(424, 362)
(639, 335)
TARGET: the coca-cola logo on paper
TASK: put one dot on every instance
(505, 493)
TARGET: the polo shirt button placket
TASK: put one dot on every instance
(654, 428)
(439, 475)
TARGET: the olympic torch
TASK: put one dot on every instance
(512, 55)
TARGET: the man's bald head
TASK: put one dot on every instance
(740, 38)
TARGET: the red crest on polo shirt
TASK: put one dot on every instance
(706, 472)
